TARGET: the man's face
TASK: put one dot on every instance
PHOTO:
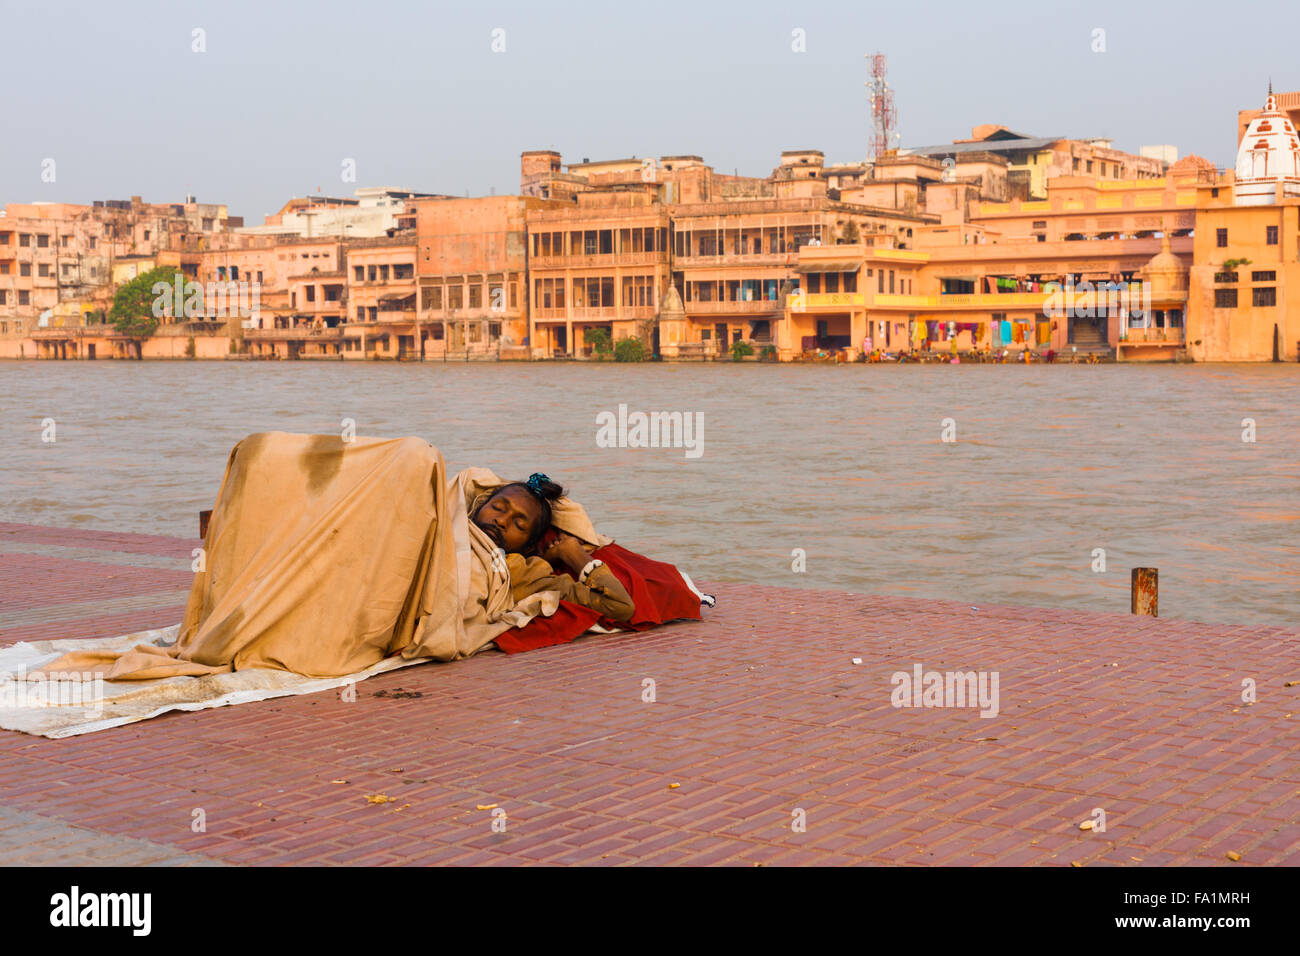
(508, 518)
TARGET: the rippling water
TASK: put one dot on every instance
(844, 462)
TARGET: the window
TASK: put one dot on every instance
(1264, 296)
(4, 238)
(383, 273)
(24, 268)
(43, 240)
(310, 293)
(476, 296)
(1267, 276)
(880, 281)
(1225, 298)
(1272, 235)
(455, 296)
(4, 296)
(1221, 238)
(24, 297)
(891, 280)
(1225, 277)
(146, 235)
(361, 313)
(371, 273)
(4, 268)
(43, 270)
(259, 275)
(358, 273)
(64, 241)
(234, 273)
(1090, 165)
(92, 242)
(25, 239)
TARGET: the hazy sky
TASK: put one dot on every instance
(413, 92)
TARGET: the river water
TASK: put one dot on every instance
(845, 463)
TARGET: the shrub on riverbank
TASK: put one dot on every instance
(629, 350)
(599, 341)
(740, 349)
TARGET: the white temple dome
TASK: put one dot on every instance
(1269, 153)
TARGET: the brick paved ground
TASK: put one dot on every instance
(759, 711)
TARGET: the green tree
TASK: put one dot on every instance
(133, 303)
(629, 350)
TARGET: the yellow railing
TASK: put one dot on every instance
(999, 303)
(902, 255)
(1152, 336)
(817, 300)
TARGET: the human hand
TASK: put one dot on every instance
(566, 549)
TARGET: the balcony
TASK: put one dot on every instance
(776, 259)
(743, 307)
(1000, 303)
(1153, 336)
(597, 261)
(831, 300)
(604, 313)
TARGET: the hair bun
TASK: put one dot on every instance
(542, 486)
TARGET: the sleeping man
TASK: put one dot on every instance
(515, 517)
(324, 557)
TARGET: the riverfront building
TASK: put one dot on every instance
(1002, 242)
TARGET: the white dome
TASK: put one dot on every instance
(1269, 153)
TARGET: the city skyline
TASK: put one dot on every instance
(458, 125)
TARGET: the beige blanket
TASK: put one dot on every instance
(325, 557)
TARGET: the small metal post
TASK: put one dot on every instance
(1145, 587)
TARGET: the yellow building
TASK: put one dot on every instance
(1244, 296)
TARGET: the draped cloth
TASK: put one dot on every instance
(659, 591)
(324, 557)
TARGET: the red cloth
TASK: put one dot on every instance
(658, 592)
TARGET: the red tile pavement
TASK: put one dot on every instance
(759, 714)
(34, 580)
